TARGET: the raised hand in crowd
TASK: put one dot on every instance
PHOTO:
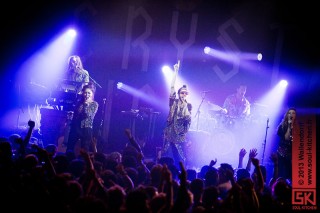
(252, 154)
(90, 180)
(23, 143)
(45, 157)
(140, 155)
(242, 153)
(128, 184)
(132, 140)
(275, 173)
(31, 125)
(184, 199)
(166, 187)
(213, 162)
(183, 174)
(256, 164)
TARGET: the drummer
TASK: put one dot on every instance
(236, 106)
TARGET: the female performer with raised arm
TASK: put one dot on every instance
(178, 122)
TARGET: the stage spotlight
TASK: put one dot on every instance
(166, 69)
(206, 50)
(231, 56)
(72, 33)
(283, 83)
(119, 85)
(69, 36)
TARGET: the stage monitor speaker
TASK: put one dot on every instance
(52, 125)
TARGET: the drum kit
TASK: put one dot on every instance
(219, 125)
(214, 133)
(213, 118)
(210, 119)
(208, 136)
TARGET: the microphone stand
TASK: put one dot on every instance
(265, 141)
(100, 130)
(198, 111)
(95, 82)
(102, 119)
(20, 106)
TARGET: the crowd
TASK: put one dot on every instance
(41, 179)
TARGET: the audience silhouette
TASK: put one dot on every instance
(39, 178)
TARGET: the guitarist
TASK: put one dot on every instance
(284, 151)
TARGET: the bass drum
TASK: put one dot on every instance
(233, 123)
(196, 147)
(203, 147)
(204, 124)
(222, 142)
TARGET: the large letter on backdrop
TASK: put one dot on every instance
(230, 47)
(133, 14)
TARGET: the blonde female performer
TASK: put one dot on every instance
(178, 122)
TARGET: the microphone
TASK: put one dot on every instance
(206, 91)
(290, 122)
(178, 64)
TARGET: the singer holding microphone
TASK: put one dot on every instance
(178, 122)
(81, 127)
(284, 151)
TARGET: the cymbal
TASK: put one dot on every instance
(39, 86)
(214, 107)
(259, 104)
(132, 112)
